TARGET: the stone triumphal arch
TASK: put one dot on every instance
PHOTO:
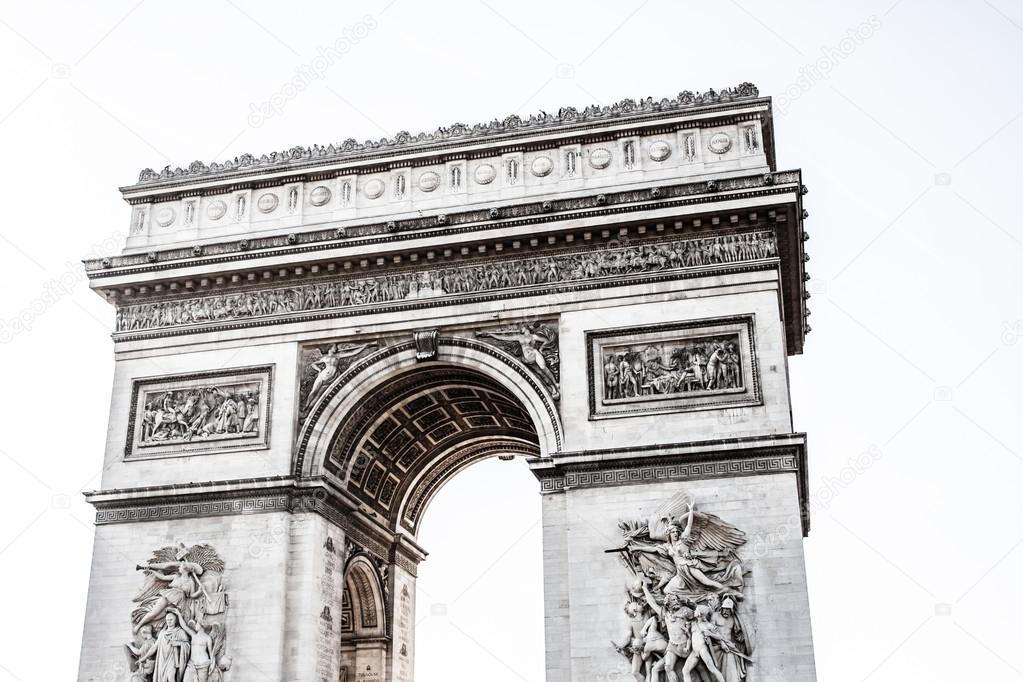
(310, 343)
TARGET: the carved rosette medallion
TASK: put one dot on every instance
(719, 143)
(686, 604)
(429, 181)
(660, 150)
(541, 166)
(319, 196)
(179, 621)
(374, 189)
(484, 174)
(165, 216)
(216, 210)
(600, 158)
(267, 202)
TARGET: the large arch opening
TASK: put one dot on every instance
(479, 596)
(407, 437)
(401, 432)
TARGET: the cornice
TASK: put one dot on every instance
(273, 494)
(442, 224)
(511, 127)
(723, 458)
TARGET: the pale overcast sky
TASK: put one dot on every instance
(910, 140)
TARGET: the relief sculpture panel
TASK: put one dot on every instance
(201, 412)
(680, 366)
(430, 285)
(686, 612)
(179, 621)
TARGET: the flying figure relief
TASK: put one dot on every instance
(536, 345)
(331, 365)
(687, 581)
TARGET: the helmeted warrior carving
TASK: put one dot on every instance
(688, 582)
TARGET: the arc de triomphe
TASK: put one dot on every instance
(310, 343)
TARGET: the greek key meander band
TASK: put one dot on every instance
(657, 472)
(554, 482)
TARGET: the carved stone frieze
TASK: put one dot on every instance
(685, 611)
(199, 412)
(349, 148)
(414, 286)
(675, 366)
(179, 620)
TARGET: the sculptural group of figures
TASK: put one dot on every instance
(665, 369)
(178, 627)
(206, 412)
(453, 280)
(685, 605)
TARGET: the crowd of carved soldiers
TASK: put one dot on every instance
(452, 280)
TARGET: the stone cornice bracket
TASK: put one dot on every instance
(427, 341)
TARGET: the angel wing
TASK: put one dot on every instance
(205, 556)
(712, 533)
(512, 348)
(709, 532)
(548, 346)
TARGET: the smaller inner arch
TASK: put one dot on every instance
(403, 441)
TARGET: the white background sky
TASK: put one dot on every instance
(911, 149)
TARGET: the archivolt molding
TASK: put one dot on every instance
(321, 428)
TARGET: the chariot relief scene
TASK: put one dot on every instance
(685, 613)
